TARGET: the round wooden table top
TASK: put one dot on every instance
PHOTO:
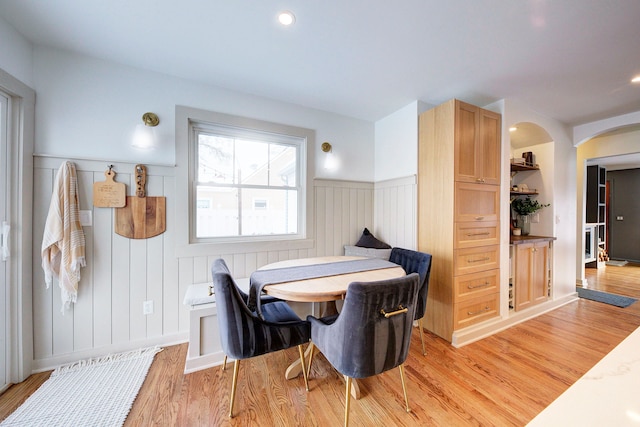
(327, 288)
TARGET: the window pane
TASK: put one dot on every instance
(252, 162)
(218, 217)
(276, 212)
(246, 183)
(283, 165)
(215, 159)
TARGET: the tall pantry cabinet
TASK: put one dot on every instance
(459, 214)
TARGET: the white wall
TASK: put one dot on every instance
(15, 54)
(396, 142)
(88, 108)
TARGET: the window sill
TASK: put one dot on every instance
(206, 249)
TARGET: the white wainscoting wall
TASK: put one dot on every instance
(122, 273)
(396, 211)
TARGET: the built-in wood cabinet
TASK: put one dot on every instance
(531, 272)
(477, 145)
(459, 214)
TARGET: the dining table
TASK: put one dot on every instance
(322, 279)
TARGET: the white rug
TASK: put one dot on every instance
(94, 392)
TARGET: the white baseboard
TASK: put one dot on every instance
(51, 363)
(203, 362)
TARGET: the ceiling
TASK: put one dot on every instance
(571, 60)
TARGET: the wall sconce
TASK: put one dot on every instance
(330, 161)
(144, 136)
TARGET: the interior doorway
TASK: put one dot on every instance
(614, 150)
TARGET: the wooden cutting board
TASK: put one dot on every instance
(142, 217)
(109, 194)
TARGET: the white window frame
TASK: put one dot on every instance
(186, 243)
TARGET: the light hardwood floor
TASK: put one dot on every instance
(617, 280)
(502, 380)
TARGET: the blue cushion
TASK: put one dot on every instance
(279, 312)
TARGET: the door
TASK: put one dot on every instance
(531, 274)
(540, 273)
(4, 312)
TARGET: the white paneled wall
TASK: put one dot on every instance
(121, 273)
(396, 212)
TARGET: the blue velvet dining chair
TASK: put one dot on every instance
(264, 299)
(416, 262)
(372, 333)
(244, 335)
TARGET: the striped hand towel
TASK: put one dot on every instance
(63, 240)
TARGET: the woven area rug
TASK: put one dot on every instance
(607, 298)
(94, 392)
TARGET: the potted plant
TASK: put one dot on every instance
(524, 207)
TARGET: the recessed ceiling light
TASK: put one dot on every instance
(636, 79)
(286, 18)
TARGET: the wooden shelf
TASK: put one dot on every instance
(516, 167)
(524, 193)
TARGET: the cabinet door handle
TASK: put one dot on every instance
(482, 285)
(479, 179)
(473, 313)
(479, 218)
(478, 234)
(478, 260)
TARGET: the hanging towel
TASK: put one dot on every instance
(63, 239)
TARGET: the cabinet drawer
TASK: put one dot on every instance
(475, 285)
(476, 202)
(473, 260)
(471, 234)
(476, 310)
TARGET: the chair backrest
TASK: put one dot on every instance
(415, 262)
(242, 333)
(364, 342)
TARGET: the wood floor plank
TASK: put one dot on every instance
(502, 380)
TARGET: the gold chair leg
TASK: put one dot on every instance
(347, 402)
(311, 348)
(424, 352)
(304, 368)
(236, 367)
(224, 363)
(404, 387)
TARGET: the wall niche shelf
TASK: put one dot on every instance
(524, 193)
(517, 167)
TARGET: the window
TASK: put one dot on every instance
(247, 179)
